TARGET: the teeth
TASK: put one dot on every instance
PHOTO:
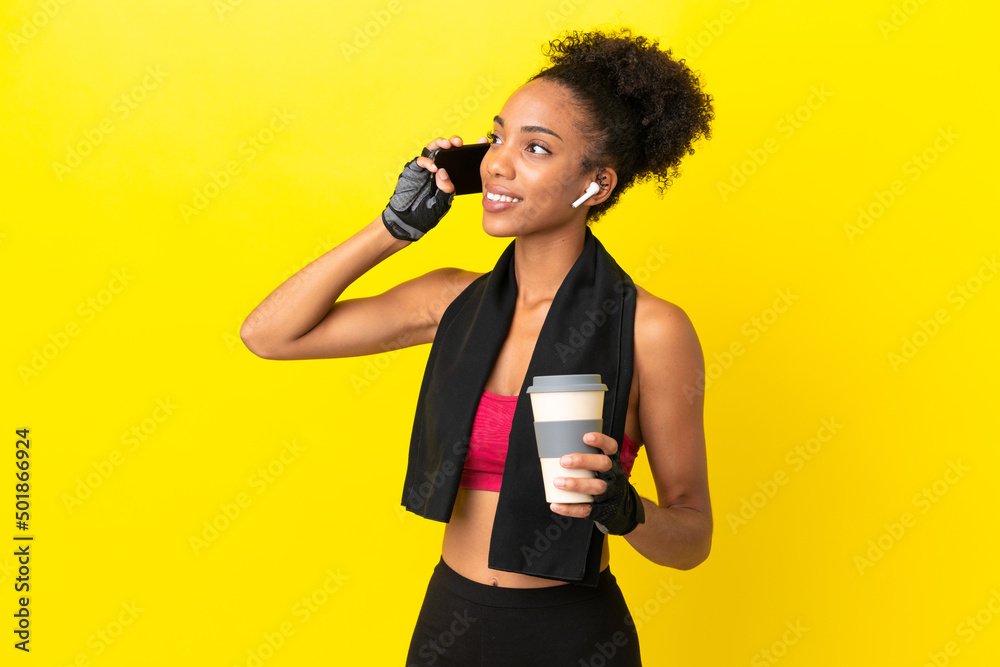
(493, 197)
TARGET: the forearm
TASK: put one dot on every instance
(299, 303)
(678, 537)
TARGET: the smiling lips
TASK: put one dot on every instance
(495, 201)
(495, 197)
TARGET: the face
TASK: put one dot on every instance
(535, 156)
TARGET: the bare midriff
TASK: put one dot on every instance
(466, 545)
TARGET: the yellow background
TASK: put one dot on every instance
(340, 95)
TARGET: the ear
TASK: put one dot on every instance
(607, 179)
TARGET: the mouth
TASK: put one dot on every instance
(497, 199)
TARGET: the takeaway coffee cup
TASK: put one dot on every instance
(565, 407)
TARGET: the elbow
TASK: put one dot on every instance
(703, 545)
(252, 341)
(256, 350)
(696, 552)
(688, 561)
(696, 558)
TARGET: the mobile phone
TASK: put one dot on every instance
(462, 164)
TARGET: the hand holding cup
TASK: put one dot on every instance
(590, 485)
(565, 408)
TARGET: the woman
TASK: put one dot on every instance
(521, 581)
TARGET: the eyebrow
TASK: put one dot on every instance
(529, 128)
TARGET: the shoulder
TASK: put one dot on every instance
(665, 340)
(660, 323)
(438, 288)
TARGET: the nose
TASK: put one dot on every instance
(497, 162)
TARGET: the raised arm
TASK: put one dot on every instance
(303, 319)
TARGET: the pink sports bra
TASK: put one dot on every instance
(488, 444)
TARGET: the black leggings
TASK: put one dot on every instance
(469, 624)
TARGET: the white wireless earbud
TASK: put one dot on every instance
(592, 189)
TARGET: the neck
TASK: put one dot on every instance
(542, 262)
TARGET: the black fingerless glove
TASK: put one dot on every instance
(417, 204)
(618, 510)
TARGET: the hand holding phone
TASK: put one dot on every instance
(417, 204)
(422, 197)
(462, 164)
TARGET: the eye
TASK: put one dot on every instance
(535, 144)
(492, 138)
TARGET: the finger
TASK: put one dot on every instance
(443, 182)
(595, 462)
(578, 510)
(593, 487)
(481, 140)
(427, 163)
(605, 442)
(440, 142)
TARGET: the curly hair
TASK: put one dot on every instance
(642, 108)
